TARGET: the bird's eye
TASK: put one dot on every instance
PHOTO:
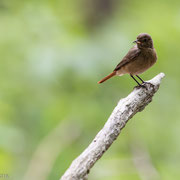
(145, 40)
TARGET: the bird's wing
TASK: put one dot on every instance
(130, 56)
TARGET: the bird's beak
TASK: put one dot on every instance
(136, 41)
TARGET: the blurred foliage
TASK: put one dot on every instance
(52, 53)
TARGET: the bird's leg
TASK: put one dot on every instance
(140, 79)
(135, 80)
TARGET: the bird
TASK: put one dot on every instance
(139, 58)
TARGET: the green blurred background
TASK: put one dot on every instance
(52, 53)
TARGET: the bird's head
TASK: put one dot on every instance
(144, 40)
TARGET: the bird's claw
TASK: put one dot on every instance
(143, 85)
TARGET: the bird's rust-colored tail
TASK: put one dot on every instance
(107, 77)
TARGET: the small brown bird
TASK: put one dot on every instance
(139, 58)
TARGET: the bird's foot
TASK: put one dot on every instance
(143, 85)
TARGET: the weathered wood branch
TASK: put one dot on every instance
(127, 107)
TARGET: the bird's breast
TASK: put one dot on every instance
(144, 61)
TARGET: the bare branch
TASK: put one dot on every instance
(125, 110)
